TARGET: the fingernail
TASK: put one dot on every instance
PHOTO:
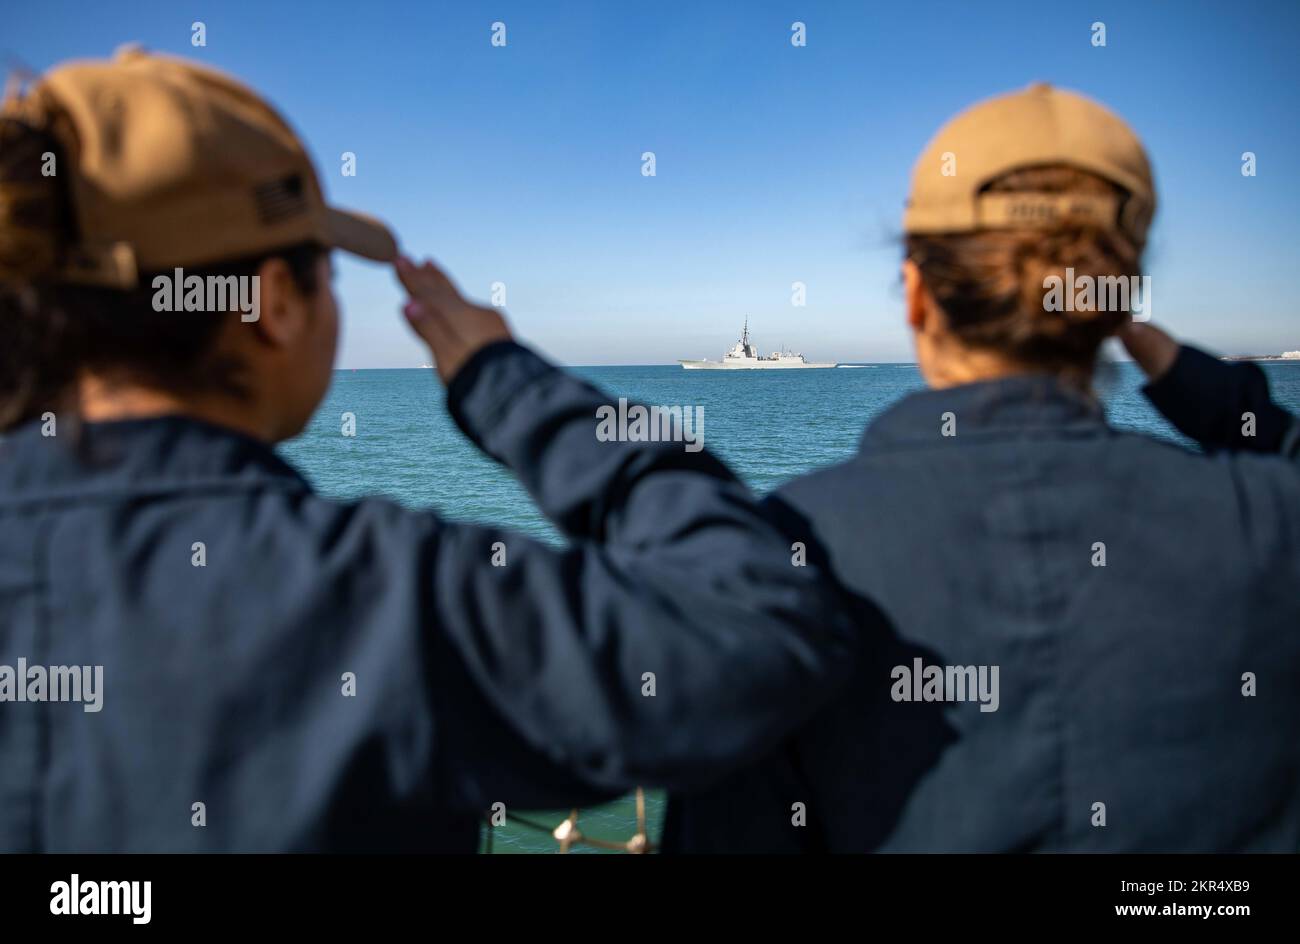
(413, 311)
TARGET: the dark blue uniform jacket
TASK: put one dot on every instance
(1139, 601)
(360, 676)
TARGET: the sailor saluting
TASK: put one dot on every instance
(323, 675)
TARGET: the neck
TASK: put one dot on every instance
(974, 366)
(102, 400)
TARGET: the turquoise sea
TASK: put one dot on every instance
(770, 426)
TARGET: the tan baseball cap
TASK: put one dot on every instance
(1037, 126)
(172, 164)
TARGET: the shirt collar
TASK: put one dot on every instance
(158, 453)
(1007, 405)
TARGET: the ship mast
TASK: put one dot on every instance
(744, 337)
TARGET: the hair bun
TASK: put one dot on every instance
(33, 205)
(1016, 290)
(1050, 269)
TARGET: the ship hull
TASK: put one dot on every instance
(720, 365)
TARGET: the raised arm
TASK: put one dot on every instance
(1222, 406)
(679, 637)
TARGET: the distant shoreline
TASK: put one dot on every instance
(1269, 358)
(349, 370)
(1261, 358)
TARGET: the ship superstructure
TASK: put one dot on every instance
(744, 356)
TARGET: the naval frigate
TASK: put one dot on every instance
(744, 356)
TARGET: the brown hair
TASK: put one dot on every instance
(990, 284)
(53, 331)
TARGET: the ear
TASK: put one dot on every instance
(915, 297)
(283, 311)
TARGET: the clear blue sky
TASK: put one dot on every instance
(775, 164)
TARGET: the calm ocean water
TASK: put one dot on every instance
(770, 426)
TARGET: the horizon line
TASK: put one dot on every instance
(664, 364)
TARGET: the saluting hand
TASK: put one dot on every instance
(453, 327)
(1153, 349)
